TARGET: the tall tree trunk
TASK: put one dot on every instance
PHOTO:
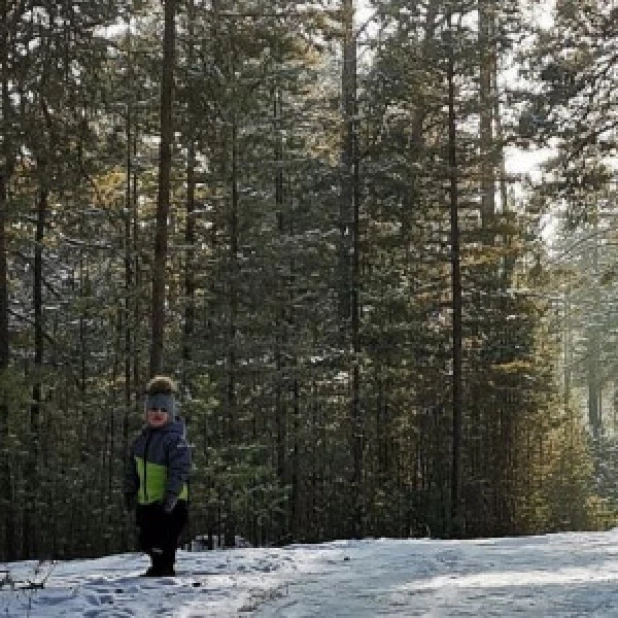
(190, 287)
(593, 346)
(507, 237)
(347, 161)
(486, 113)
(6, 502)
(351, 248)
(456, 292)
(281, 334)
(6, 169)
(32, 484)
(131, 264)
(295, 473)
(164, 189)
(190, 237)
(232, 436)
(232, 360)
(567, 354)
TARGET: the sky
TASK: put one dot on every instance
(553, 576)
(518, 161)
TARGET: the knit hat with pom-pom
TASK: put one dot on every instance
(160, 394)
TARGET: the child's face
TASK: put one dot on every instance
(156, 417)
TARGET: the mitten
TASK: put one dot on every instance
(169, 503)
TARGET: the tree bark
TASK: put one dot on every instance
(456, 292)
(350, 259)
(281, 335)
(30, 516)
(486, 113)
(159, 278)
(6, 495)
(190, 232)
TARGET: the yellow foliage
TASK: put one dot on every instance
(109, 188)
(517, 366)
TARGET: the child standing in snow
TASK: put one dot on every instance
(157, 476)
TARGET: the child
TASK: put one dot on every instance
(157, 475)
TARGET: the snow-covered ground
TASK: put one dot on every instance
(562, 575)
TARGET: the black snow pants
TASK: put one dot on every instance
(159, 534)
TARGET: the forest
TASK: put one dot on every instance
(310, 215)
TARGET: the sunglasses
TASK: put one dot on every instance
(157, 410)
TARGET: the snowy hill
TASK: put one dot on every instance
(545, 576)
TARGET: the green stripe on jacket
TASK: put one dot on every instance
(153, 481)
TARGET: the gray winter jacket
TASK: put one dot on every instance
(159, 465)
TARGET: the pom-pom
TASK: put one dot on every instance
(161, 384)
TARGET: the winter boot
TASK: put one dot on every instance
(167, 564)
(157, 567)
